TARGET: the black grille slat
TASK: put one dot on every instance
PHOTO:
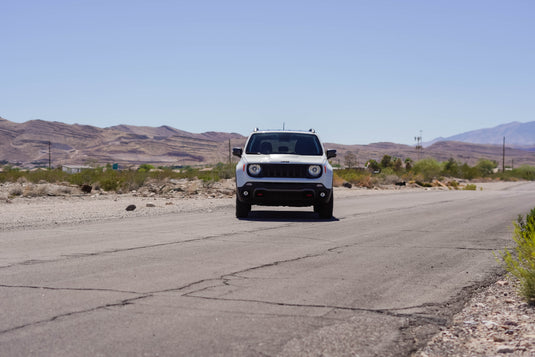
(285, 170)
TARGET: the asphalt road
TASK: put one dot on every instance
(376, 281)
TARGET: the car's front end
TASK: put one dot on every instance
(280, 168)
(284, 180)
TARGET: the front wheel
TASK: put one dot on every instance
(242, 209)
(325, 210)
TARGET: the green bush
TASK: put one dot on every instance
(525, 172)
(468, 172)
(470, 187)
(145, 168)
(486, 167)
(428, 168)
(451, 168)
(521, 261)
(354, 176)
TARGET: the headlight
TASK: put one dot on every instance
(254, 169)
(314, 170)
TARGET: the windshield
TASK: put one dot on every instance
(284, 143)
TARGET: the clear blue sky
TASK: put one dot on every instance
(358, 71)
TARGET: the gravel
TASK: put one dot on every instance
(495, 322)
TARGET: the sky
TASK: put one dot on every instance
(357, 71)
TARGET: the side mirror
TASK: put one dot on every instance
(237, 152)
(331, 154)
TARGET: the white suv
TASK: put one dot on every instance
(284, 168)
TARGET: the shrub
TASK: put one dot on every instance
(386, 161)
(356, 177)
(337, 180)
(521, 261)
(468, 172)
(470, 187)
(16, 191)
(373, 165)
(486, 167)
(525, 172)
(387, 176)
(428, 168)
(109, 184)
(453, 184)
(451, 168)
(145, 168)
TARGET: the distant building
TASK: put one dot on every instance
(71, 169)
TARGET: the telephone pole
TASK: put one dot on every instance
(49, 156)
(503, 156)
(229, 153)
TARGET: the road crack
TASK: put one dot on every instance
(129, 249)
(38, 287)
(74, 313)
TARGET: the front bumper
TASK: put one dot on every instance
(283, 194)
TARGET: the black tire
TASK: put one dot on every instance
(325, 210)
(242, 209)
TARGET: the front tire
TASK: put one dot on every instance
(325, 210)
(242, 209)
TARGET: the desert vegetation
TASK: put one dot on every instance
(106, 179)
(520, 261)
(388, 171)
(428, 172)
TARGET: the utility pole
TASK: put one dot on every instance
(49, 156)
(503, 156)
(229, 152)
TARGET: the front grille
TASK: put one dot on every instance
(285, 170)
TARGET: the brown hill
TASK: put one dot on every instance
(441, 151)
(27, 144)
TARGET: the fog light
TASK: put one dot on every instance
(322, 194)
(246, 193)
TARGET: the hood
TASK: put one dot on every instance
(285, 159)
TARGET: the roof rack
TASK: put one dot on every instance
(309, 130)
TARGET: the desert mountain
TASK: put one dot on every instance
(518, 135)
(441, 151)
(28, 144)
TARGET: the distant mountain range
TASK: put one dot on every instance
(517, 135)
(27, 144)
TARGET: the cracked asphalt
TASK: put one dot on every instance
(378, 280)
